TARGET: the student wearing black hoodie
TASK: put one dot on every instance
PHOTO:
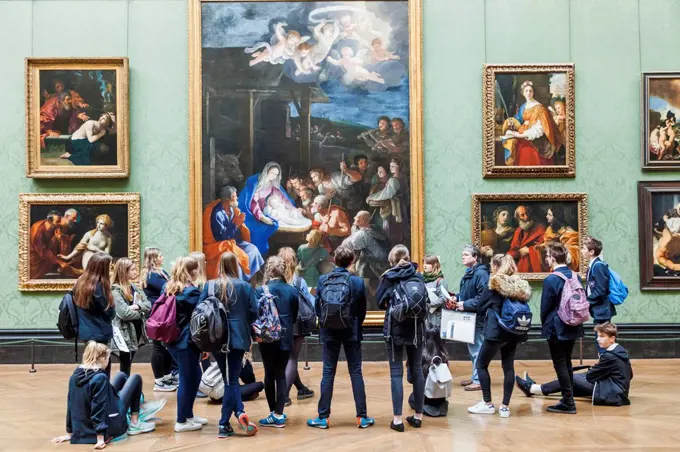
(97, 410)
(605, 383)
(408, 336)
(94, 302)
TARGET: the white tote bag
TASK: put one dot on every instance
(439, 379)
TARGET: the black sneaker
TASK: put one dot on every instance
(414, 422)
(225, 431)
(523, 386)
(562, 408)
(397, 427)
(288, 402)
(305, 393)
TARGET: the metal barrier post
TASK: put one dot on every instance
(306, 355)
(32, 370)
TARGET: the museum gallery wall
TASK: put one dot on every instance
(620, 124)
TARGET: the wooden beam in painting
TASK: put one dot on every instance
(305, 127)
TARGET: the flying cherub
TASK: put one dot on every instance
(380, 53)
(282, 46)
(304, 62)
(353, 68)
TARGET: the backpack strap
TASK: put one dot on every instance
(211, 288)
(265, 289)
(560, 275)
(435, 358)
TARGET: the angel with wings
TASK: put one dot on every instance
(282, 46)
(354, 71)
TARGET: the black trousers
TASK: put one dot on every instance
(161, 361)
(560, 352)
(125, 359)
(582, 387)
(486, 353)
(275, 361)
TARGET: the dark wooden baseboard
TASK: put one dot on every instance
(642, 340)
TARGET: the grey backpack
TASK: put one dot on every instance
(208, 325)
(438, 382)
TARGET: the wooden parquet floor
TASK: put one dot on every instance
(32, 410)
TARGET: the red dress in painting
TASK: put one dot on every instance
(543, 141)
(45, 245)
(50, 112)
(214, 249)
(532, 262)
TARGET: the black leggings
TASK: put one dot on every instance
(161, 361)
(486, 353)
(275, 388)
(129, 391)
(292, 375)
(125, 359)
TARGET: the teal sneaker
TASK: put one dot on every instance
(322, 423)
(365, 422)
(273, 421)
(140, 427)
(149, 410)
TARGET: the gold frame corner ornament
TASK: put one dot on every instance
(489, 167)
(26, 200)
(34, 169)
(373, 318)
(582, 205)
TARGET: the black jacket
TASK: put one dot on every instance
(501, 287)
(94, 324)
(552, 327)
(407, 333)
(93, 407)
(473, 283)
(358, 295)
(597, 281)
(186, 302)
(287, 303)
(242, 311)
(611, 376)
(154, 285)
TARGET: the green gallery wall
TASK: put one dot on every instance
(610, 41)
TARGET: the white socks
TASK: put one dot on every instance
(536, 389)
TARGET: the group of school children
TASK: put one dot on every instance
(112, 313)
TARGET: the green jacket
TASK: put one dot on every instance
(126, 318)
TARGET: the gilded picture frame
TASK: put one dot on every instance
(77, 118)
(197, 109)
(58, 232)
(546, 147)
(496, 228)
(660, 136)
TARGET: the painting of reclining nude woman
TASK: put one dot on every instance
(59, 233)
(523, 225)
(306, 134)
(77, 110)
(529, 121)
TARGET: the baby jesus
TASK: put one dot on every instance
(284, 212)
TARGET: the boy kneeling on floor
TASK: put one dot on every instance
(606, 383)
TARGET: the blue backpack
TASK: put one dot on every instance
(515, 317)
(617, 289)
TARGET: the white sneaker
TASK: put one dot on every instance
(188, 426)
(164, 387)
(140, 427)
(482, 408)
(198, 420)
(504, 411)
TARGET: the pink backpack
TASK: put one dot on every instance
(162, 323)
(574, 305)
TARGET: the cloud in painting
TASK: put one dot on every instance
(666, 89)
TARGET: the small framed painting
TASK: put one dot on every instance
(528, 121)
(660, 128)
(77, 118)
(59, 233)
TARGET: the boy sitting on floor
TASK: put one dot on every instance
(607, 382)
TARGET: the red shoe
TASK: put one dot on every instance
(248, 427)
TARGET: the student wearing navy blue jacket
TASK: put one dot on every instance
(153, 280)
(96, 410)
(184, 351)
(560, 336)
(94, 302)
(275, 354)
(239, 298)
(597, 285)
(349, 339)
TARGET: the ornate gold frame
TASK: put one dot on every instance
(34, 169)
(581, 198)
(28, 199)
(416, 131)
(489, 167)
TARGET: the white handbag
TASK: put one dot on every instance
(439, 380)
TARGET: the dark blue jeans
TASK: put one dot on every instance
(414, 355)
(188, 360)
(230, 366)
(330, 356)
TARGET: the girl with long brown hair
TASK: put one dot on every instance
(202, 277)
(94, 301)
(239, 298)
(293, 278)
(181, 286)
(132, 308)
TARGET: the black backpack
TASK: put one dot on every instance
(409, 300)
(208, 325)
(306, 318)
(67, 321)
(335, 302)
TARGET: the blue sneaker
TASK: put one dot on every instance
(365, 422)
(273, 421)
(319, 422)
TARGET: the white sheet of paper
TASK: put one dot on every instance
(432, 293)
(458, 326)
(119, 340)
